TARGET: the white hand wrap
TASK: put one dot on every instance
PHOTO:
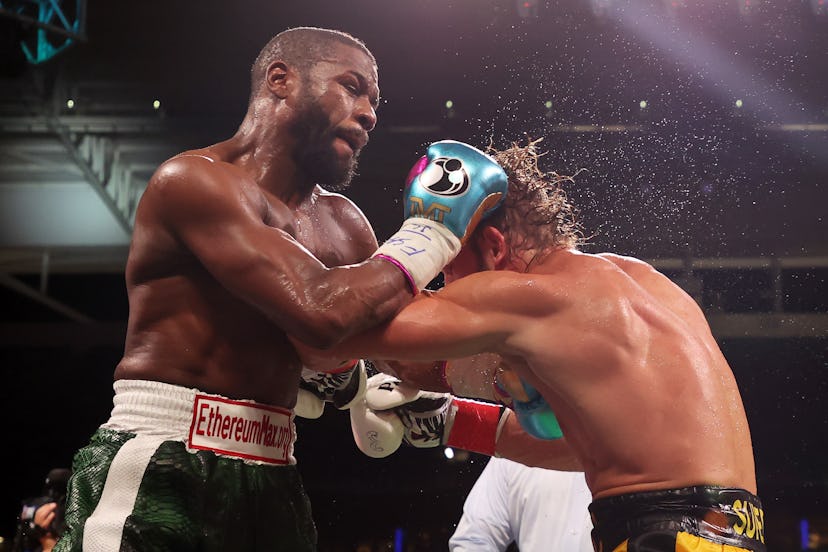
(420, 248)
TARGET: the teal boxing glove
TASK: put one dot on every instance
(447, 193)
(536, 416)
(455, 184)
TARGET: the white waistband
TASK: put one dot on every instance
(238, 428)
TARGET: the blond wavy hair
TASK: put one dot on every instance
(537, 214)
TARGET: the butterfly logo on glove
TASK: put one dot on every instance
(446, 176)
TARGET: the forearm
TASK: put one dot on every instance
(471, 377)
(344, 301)
(428, 376)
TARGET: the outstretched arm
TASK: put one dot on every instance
(483, 312)
(223, 222)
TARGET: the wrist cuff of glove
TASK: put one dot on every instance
(475, 426)
(344, 366)
(355, 389)
(420, 249)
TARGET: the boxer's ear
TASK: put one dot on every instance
(279, 78)
(494, 251)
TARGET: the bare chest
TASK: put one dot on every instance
(321, 231)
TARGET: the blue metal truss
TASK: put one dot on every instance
(58, 24)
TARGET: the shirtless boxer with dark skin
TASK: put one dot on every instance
(234, 245)
(219, 261)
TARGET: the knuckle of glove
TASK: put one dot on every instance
(455, 184)
(376, 434)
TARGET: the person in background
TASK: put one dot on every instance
(42, 518)
(536, 509)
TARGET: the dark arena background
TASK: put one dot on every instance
(697, 131)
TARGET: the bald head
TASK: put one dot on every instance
(301, 48)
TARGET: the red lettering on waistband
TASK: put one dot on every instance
(242, 429)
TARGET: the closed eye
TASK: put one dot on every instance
(353, 88)
(356, 84)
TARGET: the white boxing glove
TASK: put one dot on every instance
(343, 388)
(434, 419)
(377, 434)
(308, 405)
(384, 392)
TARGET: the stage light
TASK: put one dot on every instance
(600, 8)
(449, 452)
(70, 103)
(548, 104)
(739, 103)
(671, 6)
(747, 7)
(642, 104)
(527, 8)
(819, 7)
(449, 109)
(399, 539)
(156, 104)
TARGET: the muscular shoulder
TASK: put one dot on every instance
(627, 263)
(602, 269)
(196, 181)
(193, 169)
(643, 273)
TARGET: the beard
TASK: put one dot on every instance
(315, 154)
